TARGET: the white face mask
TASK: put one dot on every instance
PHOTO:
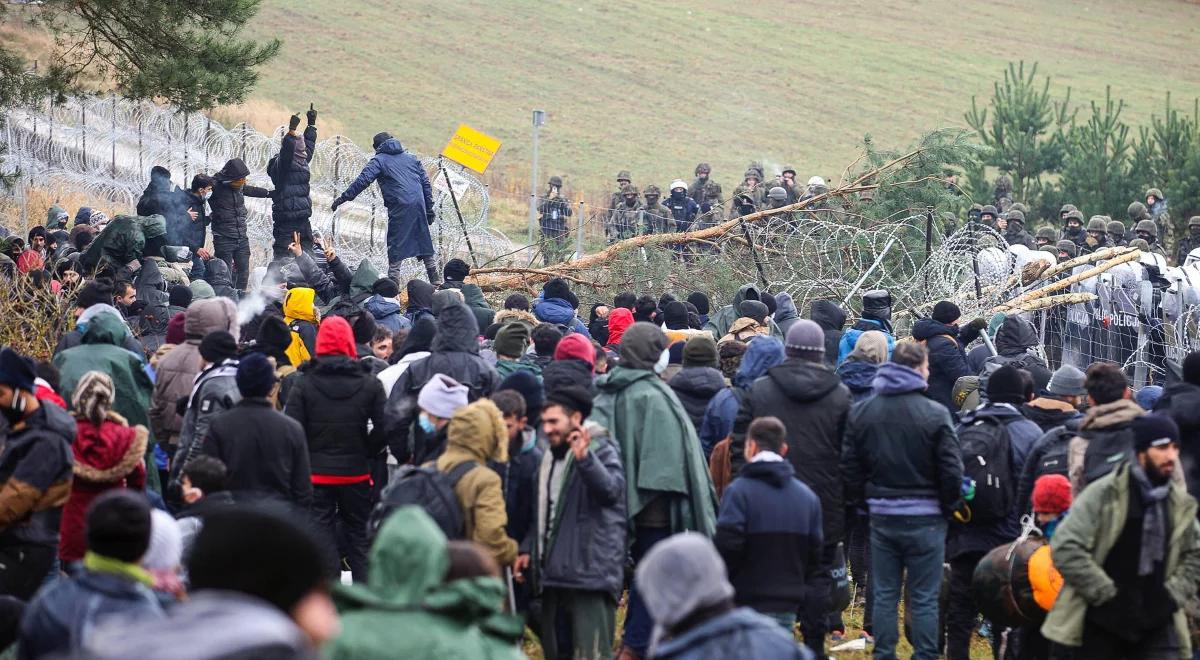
(207, 195)
(663, 361)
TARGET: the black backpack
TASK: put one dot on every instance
(987, 458)
(428, 488)
(1054, 460)
(1105, 451)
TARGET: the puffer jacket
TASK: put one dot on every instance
(812, 403)
(177, 370)
(215, 392)
(60, 620)
(35, 468)
(218, 275)
(337, 399)
(850, 337)
(291, 204)
(581, 543)
(1014, 340)
(228, 204)
(696, 387)
(107, 456)
(455, 353)
(857, 376)
(559, 312)
(738, 633)
(947, 359)
(387, 313)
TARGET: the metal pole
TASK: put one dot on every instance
(458, 212)
(337, 178)
(140, 165)
(113, 135)
(762, 274)
(878, 260)
(186, 151)
(539, 118)
(83, 115)
(975, 260)
(579, 230)
(207, 132)
(928, 245)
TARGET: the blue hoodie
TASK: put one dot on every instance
(559, 312)
(387, 313)
(892, 378)
(761, 354)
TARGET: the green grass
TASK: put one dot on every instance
(657, 87)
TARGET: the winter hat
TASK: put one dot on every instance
(201, 290)
(380, 138)
(16, 370)
(512, 340)
(1148, 396)
(700, 301)
(1153, 430)
(1005, 385)
(180, 296)
(273, 338)
(576, 347)
(946, 312)
(641, 345)
(574, 397)
(530, 389)
(258, 551)
(730, 355)
(456, 270)
(165, 552)
(363, 327)
(96, 292)
(557, 288)
(83, 215)
(118, 525)
(1067, 381)
(1191, 368)
(619, 321)
(218, 346)
(1051, 494)
(675, 316)
(175, 332)
(517, 301)
(442, 396)
(871, 347)
(753, 309)
(701, 351)
(255, 375)
(806, 340)
(93, 396)
(386, 287)
(335, 337)
(680, 576)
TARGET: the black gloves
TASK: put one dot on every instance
(979, 324)
(430, 218)
(336, 203)
(293, 123)
(312, 115)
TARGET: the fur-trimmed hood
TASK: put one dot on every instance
(505, 315)
(108, 452)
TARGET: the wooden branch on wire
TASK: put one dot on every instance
(1098, 255)
(1062, 284)
(1048, 302)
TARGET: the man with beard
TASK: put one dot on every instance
(1129, 554)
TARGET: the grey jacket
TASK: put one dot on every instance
(215, 392)
(584, 547)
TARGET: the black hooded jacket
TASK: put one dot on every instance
(291, 203)
(947, 359)
(832, 319)
(228, 204)
(455, 353)
(695, 387)
(1013, 341)
(217, 274)
(812, 403)
(333, 400)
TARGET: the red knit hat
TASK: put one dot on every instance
(1051, 494)
(576, 347)
(335, 337)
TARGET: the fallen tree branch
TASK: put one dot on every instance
(1062, 284)
(1047, 302)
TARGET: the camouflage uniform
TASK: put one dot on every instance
(656, 217)
(623, 179)
(1015, 233)
(703, 190)
(1148, 231)
(554, 210)
(1189, 242)
(757, 195)
(712, 209)
(1046, 236)
(1116, 233)
(624, 219)
(1097, 235)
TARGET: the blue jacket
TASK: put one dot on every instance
(407, 196)
(850, 337)
(559, 312)
(59, 619)
(739, 633)
(857, 375)
(769, 534)
(387, 313)
(761, 354)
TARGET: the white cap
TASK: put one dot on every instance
(678, 183)
(816, 181)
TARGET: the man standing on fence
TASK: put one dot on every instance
(554, 210)
(291, 203)
(409, 201)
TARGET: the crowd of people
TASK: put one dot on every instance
(322, 464)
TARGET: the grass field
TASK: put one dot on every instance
(657, 87)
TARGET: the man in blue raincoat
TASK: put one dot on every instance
(409, 200)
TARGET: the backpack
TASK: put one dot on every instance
(1055, 461)
(1105, 451)
(987, 458)
(428, 488)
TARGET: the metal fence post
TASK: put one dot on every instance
(83, 115)
(113, 134)
(579, 218)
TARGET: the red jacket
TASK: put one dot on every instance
(106, 457)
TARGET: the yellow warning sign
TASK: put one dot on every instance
(471, 149)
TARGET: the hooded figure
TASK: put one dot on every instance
(408, 604)
(454, 353)
(717, 425)
(557, 305)
(409, 201)
(220, 278)
(786, 313)
(228, 214)
(720, 323)
(1014, 340)
(415, 347)
(858, 371)
(832, 319)
(420, 300)
(300, 313)
(876, 315)
(291, 206)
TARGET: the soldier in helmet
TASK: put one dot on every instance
(1018, 206)
(656, 218)
(1116, 233)
(1073, 227)
(988, 216)
(624, 217)
(623, 179)
(757, 167)
(1003, 192)
(1014, 229)
(1067, 249)
(1097, 235)
(750, 188)
(554, 210)
(1189, 242)
(975, 213)
(704, 188)
(712, 209)
(1046, 236)
(1147, 231)
(1156, 206)
(788, 181)
(1066, 208)
(683, 208)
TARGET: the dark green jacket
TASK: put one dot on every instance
(103, 350)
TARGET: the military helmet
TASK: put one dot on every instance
(976, 207)
(1137, 211)
(629, 189)
(788, 168)
(1074, 214)
(1067, 247)
(778, 193)
(1018, 206)
(1116, 227)
(1050, 249)
(703, 167)
(556, 181)
(752, 173)
(1194, 221)
(652, 191)
(1097, 223)
(1139, 244)
(1154, 191)
(1047, 233)
(1014, 215)
(1066, 208)
(1147, 226)
(989, 210)
(624, 175)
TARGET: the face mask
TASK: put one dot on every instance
(663, 361)
(426, 424)
(14, 414)
(207, 195)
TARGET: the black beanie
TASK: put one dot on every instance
(946, 312)
(98, 291)
(364, 328)
(769, 300)
(1153, 430)
(517, 301)
(753, 309)
(218, 346)
(255, 375)
(1005, 385)
(700, 301)
(456, 270)
(1191, 368)
(386, 287)
(16, 370)
(118, 525)
(180, 296)
(675, 316)
(273, 338)
(573, 397)
(259, 551)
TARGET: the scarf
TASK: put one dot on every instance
(1154, 529)
(101, 564)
